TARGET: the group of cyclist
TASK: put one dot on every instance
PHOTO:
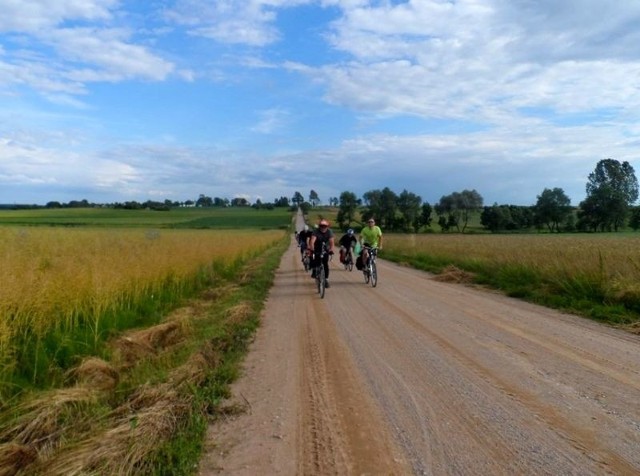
(312, 241)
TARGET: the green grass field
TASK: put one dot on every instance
(214, 218)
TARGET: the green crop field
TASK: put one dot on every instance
(214, 218)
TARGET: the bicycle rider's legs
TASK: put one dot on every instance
(314, 262)
(325, 263)
(365, 252)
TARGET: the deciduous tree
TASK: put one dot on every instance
(457, 208)
(348, 206)
(313, 198)
(611, 189)
(552, 208)
(297, 199)
(409, 207)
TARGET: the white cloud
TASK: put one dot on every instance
(477, 59)
(35, 15)
(271, 121)
(61, 46)
(235, 22)
(109, 51)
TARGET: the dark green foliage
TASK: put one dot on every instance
(314, 199)
(611, 189)
(409, 206)
(499, 218)
(297, 199)
(383, 206)
(425, 218)
(457, 209)
(634, 221)
(552, 208)
(495, 218)
(213, 217)
(348, 205)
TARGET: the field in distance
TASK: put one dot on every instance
(199, 218)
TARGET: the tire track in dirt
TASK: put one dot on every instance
(323, 440)
(343, 433)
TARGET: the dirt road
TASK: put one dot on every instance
(423, 377)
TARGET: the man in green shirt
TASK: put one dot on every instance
(370, 235)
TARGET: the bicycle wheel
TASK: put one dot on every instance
(350, 265)
(365, 271)
(374, 274)
(315, 276)
(305, 262)
(321, 281)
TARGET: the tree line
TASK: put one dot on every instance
(611, 191)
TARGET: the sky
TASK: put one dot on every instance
(114, 100)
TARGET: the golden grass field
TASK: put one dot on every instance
(173, 311)
(51, 276)
(613, 260)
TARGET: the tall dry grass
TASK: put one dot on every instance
(55, 280)
(604, 269)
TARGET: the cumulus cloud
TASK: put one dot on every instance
(34, 16)
(453, 59)
(49, 55)
(108, 51)
(230, 21)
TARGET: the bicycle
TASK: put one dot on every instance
(348, 260)
(306, 261)
(370, 270)
(321, 279)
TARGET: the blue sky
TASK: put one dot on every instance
(110, 100)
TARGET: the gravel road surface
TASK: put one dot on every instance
(423, 377)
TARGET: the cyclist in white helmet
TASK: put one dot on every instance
(347, 243)
(303, 239)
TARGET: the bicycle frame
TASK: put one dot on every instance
(370, 270)
(348, 259)
(320, 272)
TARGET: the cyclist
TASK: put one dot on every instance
(370, 235)
(347, 243)
(303, 239)
(321, 235)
